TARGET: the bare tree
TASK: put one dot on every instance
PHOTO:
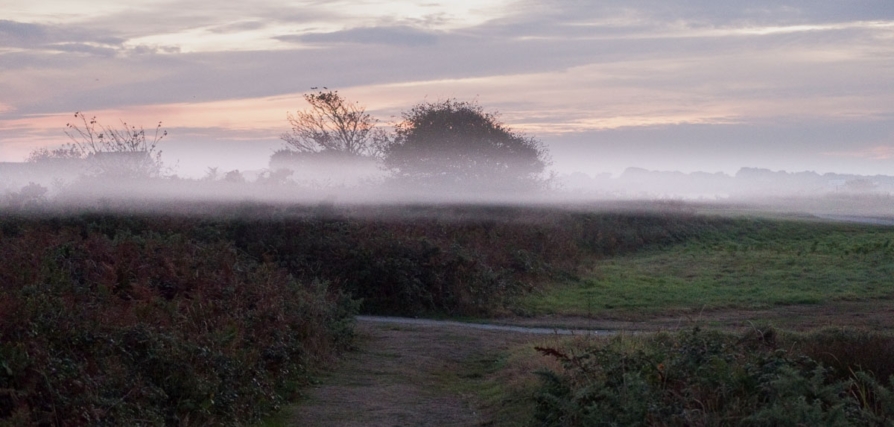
(333, 124)
(123, 151)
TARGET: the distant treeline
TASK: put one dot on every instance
(747, 182)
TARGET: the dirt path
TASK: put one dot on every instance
(499, 327)
(405, 371)
(401, 376)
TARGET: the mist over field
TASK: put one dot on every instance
(442, 152)
(62, 185)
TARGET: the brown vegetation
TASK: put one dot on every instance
(108, 327)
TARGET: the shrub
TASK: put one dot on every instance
(457, 146)
(705, 378)
(123, 152)
(143, 327)
(29, 197)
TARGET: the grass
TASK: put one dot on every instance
(751, 263)
(761, 376)
(694, 377)
(500, 383)
(762, 264)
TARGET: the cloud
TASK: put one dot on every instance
(398, 36)
(20, 34)
(756, 12)
(151, 50)
(848, 70)
(83, 48)
(54, 38)
(553, 69)
(238, 27)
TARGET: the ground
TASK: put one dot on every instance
(403, 375)
(427, 375)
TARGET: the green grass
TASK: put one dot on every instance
(761, 264)
(499, 384)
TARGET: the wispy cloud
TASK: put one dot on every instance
(400, 35)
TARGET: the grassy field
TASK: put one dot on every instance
(758, 264)
(115, 289)
(832, 376)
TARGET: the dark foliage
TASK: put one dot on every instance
(414, 259)
(471, 261)
(706, 379)
(457, 146)
(127, 322)
(198, 318)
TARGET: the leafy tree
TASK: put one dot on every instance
(108, 151)
(453, 144)
(332, 124)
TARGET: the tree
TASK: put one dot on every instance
(66, 152)
(108, 151)
(457, 145)
(332, 124)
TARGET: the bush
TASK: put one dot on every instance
(145, 327)
(30, 197)
(110, 152)
(705, 378)
(468, 260)
(456, 146)
(849, 350)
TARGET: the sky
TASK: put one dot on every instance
(688, 85)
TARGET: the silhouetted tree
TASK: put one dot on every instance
(332, 124)
(457, 145)
(108, 151)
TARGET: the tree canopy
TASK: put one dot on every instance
(457, 145)
(332, 124)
